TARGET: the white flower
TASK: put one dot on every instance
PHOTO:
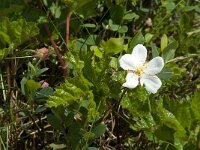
(141, 71)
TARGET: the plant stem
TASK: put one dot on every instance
(2, 85)
(9, 92)
(117, 120)
(56, 50)
(67, 27)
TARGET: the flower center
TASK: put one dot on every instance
(139, 71)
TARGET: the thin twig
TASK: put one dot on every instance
(67, 27)
(56, 50)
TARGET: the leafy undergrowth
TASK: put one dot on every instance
(61, 80)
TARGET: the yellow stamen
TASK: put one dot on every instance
(139, 71)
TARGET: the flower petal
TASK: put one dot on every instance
(154, 66)
(132, 80)
(140, 53)
(152, 83)
(127, 62)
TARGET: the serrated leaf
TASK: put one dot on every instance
(165, 133)
(66, 94)
(4, 38)
(181, 110)
(136, 103)
(73, 90)
(164, 117)
(14, 33)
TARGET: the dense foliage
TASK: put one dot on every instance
(61, 81)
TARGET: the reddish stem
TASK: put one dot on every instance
(56, 50)
(67, 27)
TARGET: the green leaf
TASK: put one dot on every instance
(164, 42)
(31, 86)
(72, 91)
(170, 6)
(23, 83)
(99, 130)
(74, 134)
(40, 109)
(148, 37)
(130, 16)
(35, 71)
(114, 63)
(90, 40)
(181, 110)
(54, 122)
(169, 51)
(117, 13)
(86, 8)
(169, 55)
(97, 52)
(88, 25)
(195, 106)
(137, 39)
(14, 33)
(189, 8)
(8, 8)
(164, 117)
(114, 46)
(165, 74)
(113, 27)
(165, 133)
(66, 94)
(55, 10)
(93, 148)
(57, 146)
(154, 50)
(117, 28)
(123, 29)
(136, 102)
(4, 38)
(43, 94)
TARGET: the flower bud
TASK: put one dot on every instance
(42, 53)
(44, 84)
